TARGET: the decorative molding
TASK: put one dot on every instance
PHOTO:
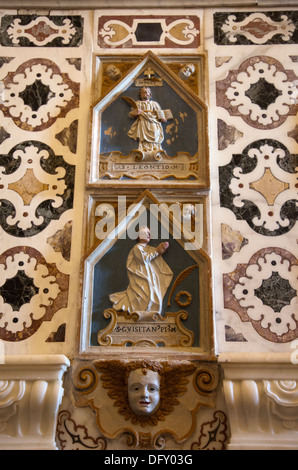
(261, 396)
(96, 4)
(31, 391)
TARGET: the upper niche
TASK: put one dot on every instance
(153, 139)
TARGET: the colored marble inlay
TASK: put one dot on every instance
(261, 91)
(41, 31)
(154, 31)
(38, 93)
(242, 28)
(263, 293)
(31, 292)
(36, 187)
(268, 204)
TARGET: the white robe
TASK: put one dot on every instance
(149, 278)
(147, 127)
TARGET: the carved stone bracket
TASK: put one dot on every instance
(30, 394)
(261, 392)
(184, 387)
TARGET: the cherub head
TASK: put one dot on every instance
(113, 72)
(144, 391)
(186, 71)
(143, 387)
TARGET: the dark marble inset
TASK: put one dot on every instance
(3, 135)
(222, 39)
(5, 60)
(262, 93)
(57, 336)
(76, 40)
(232, 336)
(36, 95)
(276, 292)
(18, 290)
(148, 32)
(68, 136)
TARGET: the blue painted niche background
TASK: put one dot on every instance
(115, 123)
(110, 277)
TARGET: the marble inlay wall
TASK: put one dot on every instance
(253, 101)
(44, 64)
(47, 84)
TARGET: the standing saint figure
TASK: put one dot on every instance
(149, 277)
(147, 128)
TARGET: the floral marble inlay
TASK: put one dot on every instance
(261, 91)
(260, 186)
(74, 436)
(31, 292)
(256, 28)
(33, 30)
(213, 433)
(36, 187)
(264, 292)
(37, 93)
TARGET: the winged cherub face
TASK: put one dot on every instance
(143, 391)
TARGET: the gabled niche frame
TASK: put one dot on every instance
(200, 256)
(186, 94)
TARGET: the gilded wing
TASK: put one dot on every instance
(112, 377)
(176, 381)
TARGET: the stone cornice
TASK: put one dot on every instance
(130, 4)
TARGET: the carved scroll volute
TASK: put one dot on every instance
(206, 382)
(85, 381)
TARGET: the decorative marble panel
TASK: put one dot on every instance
(151, 31)
(41, 31)
(36, 187)
(41, 138)
(243, 28)
(264, 292)
(261, 91)
(260, 186)
(31, 292)
(254, 148)
(37, 93)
